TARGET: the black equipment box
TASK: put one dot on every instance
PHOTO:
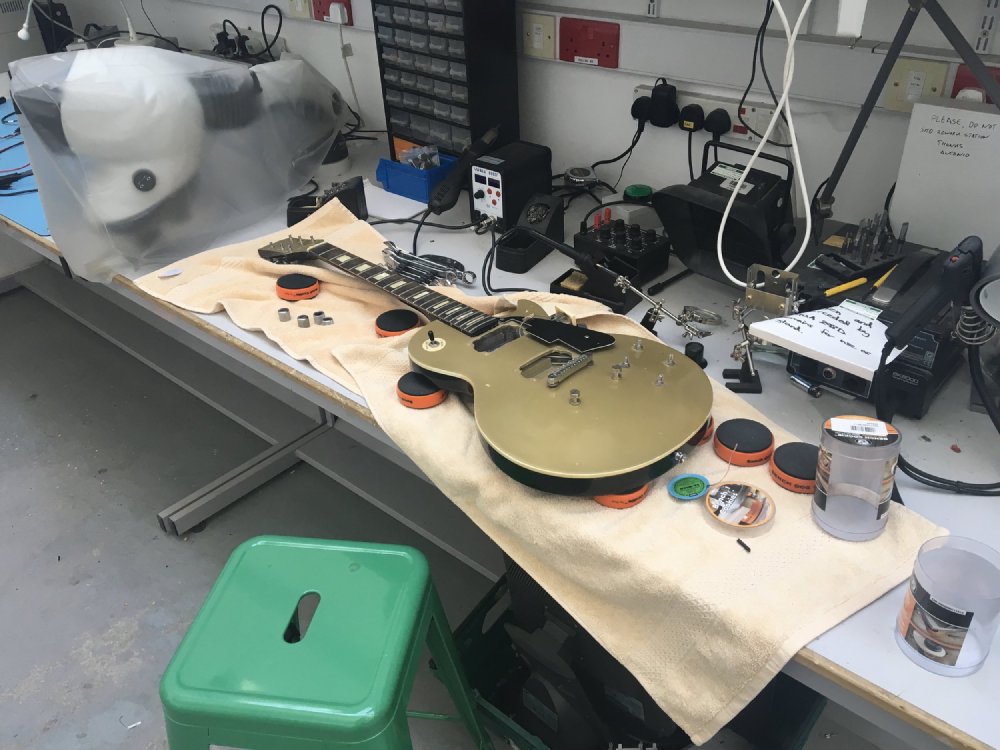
(502, 183)
(760, 226)
(916, 375)
(642, 254)
(520, 253)
(350, 192)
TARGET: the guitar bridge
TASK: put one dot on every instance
(560, 374)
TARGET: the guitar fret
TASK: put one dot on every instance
(456, 314)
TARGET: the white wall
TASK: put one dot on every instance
(582, 112)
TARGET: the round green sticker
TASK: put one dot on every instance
(688, 487)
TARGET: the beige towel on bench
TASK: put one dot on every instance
(702, 624)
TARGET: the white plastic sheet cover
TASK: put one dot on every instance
(144, 156)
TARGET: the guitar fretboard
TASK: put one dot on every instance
(466, 319)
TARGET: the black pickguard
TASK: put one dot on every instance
(581, 340)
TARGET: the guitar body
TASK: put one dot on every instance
(607, 426)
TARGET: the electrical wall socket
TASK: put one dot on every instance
(255, 40)
(911, 80)
(757, 113)
(538, 34)
(299, 9)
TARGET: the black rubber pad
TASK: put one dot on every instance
(797, 460)
(397, 321)
(296, 281)
(744, 435)
(417, 385)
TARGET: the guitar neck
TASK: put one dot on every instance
(461, 317)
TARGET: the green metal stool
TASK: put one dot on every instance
(258, 670)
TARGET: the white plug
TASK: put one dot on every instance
(851, 18)
(22, 33)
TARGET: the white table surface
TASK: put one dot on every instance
(864, 643)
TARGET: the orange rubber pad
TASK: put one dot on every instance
(743, 442)
(625, 500)
(416, 391)
(793, 467)
(704, 434)
(294, 287)
(395, 323)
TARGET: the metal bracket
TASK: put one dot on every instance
(772, 291)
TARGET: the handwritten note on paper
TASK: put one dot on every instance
(847, 337)
(946, 188)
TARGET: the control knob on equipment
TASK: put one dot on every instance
(479, 195)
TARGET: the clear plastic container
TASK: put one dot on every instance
(461, 138)
(420, 125)
(459, 71)
(460, 93)
(399, 118)
(418, 19)
(855, 474)
(411, 100)
(442, 89)
(456, 48)
(418, 42)
(952, 607)
(389, 54)
(459, 114)
(393, 97)
(422, 63)
(426, 104)
(402, 38)
(408, 80)
(435, 21)
(435, 3)
(453, 5)
(383, 13)
(391, 75)
(419, 3)
(400, 15)
(386, 35)
(440, 132)
(437, 45)
(425, 85)
(439, 67)
(405, 58)
(453, 24)
(442, 110)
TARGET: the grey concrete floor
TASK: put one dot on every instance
(95, 598)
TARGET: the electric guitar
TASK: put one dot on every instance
(560, 408)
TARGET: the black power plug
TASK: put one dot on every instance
(663, 109)
(718, 122)
(692, 118)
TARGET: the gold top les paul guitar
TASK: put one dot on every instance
(560, 408)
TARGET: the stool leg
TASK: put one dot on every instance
(442, 648)
(183, 737)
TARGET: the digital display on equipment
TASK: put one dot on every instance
(494, 183)
(480, 178)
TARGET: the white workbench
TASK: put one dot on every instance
(857, 664)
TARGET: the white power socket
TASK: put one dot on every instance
(255, 40)
(653, 8)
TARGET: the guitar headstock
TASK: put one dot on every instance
(291, 250)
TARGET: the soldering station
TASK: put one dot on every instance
(711, 420)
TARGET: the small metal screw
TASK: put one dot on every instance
(574, 397)
(670, 360)
(660, 380)
(616, 372)
(637, 346)
(625, 363)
